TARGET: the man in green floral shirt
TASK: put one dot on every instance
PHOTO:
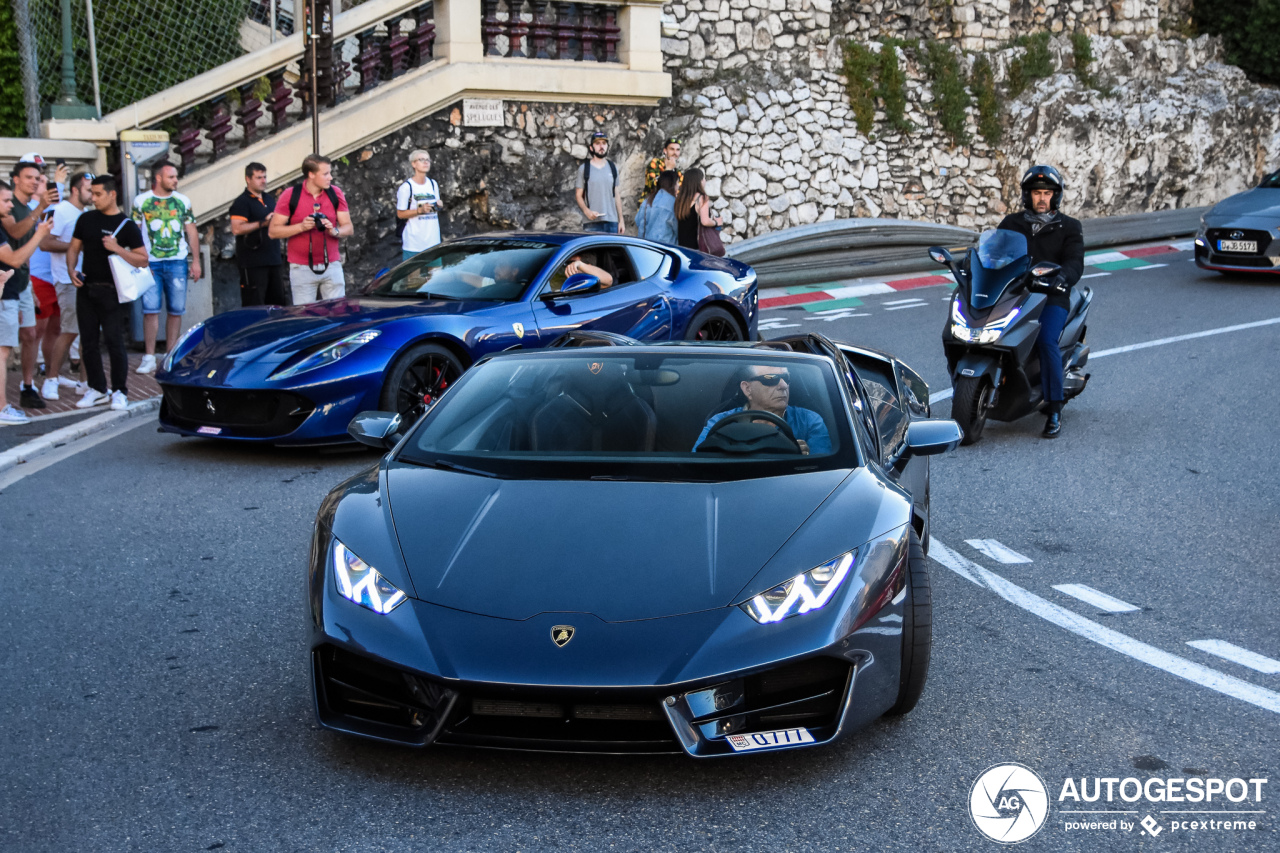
(166, 218)
(666, 163)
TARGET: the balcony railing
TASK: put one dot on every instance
(539, 29)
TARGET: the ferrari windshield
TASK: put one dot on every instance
(608, 414)
(998, 248)
(491, 270)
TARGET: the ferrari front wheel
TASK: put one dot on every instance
(417, 379)
(917, 630)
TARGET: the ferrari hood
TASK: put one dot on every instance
(259, 333)
(619, 550)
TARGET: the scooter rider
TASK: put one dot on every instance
(1055, 237)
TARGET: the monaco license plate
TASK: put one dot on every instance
(1238, 246)
(765, 740)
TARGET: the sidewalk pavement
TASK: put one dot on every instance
(141, 387)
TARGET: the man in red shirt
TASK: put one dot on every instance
(311, 225)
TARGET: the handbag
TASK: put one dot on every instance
(131, 282)
(709, 240)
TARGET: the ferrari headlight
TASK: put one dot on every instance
(360, 582)
(328, 355)
(801, 594)
(190, 336)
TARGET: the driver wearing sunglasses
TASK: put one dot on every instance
(768, 389)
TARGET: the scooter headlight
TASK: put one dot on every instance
(988, 334)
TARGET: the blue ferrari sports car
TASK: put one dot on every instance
(624, 547)
(298, 375)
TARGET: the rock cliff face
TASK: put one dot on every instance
(762, 105)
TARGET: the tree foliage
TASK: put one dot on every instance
(13, 116)
(1248, 29)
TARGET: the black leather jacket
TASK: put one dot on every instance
(1061, 242)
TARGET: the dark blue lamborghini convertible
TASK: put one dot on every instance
(298, 375)
(642, 547)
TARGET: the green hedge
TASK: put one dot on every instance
(13, 116)
(1248, 29)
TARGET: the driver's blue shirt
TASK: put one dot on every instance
(807, 425)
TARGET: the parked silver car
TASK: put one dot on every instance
(1241, 233)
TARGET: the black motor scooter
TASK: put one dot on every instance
(990, 335)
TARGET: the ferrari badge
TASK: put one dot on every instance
(519, 329)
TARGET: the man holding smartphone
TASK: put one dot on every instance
(311, 216)
(29, 205)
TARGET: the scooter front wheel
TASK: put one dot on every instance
(970, 403)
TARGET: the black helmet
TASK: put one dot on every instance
(1042, 178)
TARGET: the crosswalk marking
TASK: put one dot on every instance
(1234, 653)
(1100, 600)
(1151, 266)
(996, 551)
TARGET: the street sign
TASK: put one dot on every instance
(483, 112)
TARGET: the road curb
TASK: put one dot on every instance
(26, 451)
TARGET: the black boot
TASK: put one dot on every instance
(29, 398)
(1053, 425)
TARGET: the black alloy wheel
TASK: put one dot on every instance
(417, 379)
(917, 630)
(970, 404)
(713, 324)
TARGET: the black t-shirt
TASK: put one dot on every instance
(21, 276)
(91, 227)
(255, 249)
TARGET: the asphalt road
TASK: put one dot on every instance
(153, 666)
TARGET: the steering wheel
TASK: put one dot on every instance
(756, 415)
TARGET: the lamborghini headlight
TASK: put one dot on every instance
(190, 336)
(360, 582)
(803, 593)
(328, 355)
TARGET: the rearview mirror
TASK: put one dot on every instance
(940, 255)
(376, 429)
(933, 436)
(1044, 269)
(580, 283)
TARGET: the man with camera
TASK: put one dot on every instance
(310, 216)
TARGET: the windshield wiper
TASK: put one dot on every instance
(462, 469)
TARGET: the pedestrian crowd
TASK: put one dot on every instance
(68, 246)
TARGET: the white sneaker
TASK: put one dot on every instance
(119, 400)
(10, 415)
(49, 390)
(91, 398)
(81, 388)
(68, 382)
(148, 364)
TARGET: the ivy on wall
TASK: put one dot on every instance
(893, 84)
(982, 82)
(859, 76)
(949, 93)
(1036, 62)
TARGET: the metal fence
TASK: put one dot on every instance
(140, 47)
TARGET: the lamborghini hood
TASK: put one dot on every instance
(620, 550)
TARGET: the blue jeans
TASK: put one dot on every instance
(171, 283)
(601, 226)
(1052, 319)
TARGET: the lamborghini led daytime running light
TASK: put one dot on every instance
(801, 594)
(329, 354)
(360, 582)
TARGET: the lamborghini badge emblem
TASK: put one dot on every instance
(561, 635)
(519, 329)
(595, 366)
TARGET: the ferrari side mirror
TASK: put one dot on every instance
(376, 429)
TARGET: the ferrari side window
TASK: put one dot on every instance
(648, 262)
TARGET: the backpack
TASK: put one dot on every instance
(296, 194)
(401, 223)
(586, 176)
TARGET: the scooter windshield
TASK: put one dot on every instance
(1001, 259)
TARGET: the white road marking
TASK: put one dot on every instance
(1233, 653)
(901, 301)
(1184, 246)
(1095, 275)
(938, 396)
(997, 551)
(1151, 267)
(868, 289)
(843, 316)
(44, 460)
(1204, 676)
(1100, 600)
(900, 307)
(768, 327)
(1105, 258)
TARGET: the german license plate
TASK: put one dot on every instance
(765, 740)
(1238, 246)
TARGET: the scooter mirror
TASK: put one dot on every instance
(940, 255)
(1045, 269)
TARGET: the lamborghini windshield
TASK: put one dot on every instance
(607, 414)
(490, 270)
